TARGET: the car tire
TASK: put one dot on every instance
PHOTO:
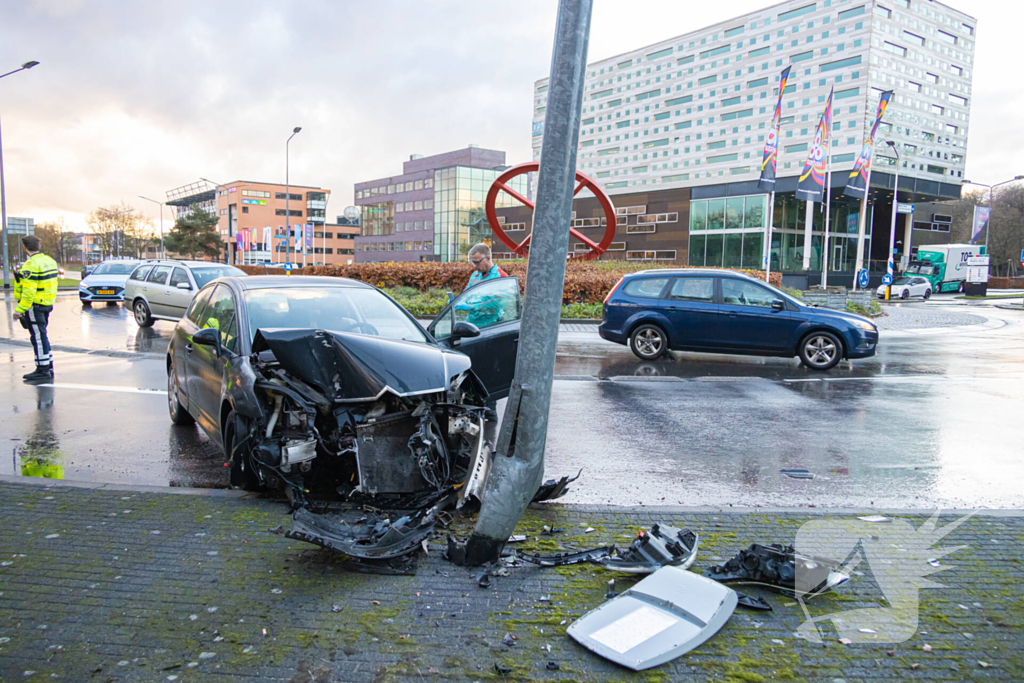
(179, 415)
(86, 304)
(821, 350)
(142, 315)
(905, 294)
(241, 470)
(962, 287)
(648, 342)
(927, 294)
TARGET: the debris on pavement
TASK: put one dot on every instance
(876, 519)
(662, 546)
(667, 614)
(611, 593)
(501, 669)
(483, 579)
(797, 473)
(753, 602)
(780, 568)
(553, 666)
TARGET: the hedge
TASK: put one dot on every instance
(585, 281)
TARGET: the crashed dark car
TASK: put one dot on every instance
(316, 384)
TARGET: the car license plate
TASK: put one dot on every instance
(104, 291)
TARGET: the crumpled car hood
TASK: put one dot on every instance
(356, 367)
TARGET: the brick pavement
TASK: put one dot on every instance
(106, 585)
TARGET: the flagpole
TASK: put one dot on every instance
(808, 227)
(828, 191)
(861, 229)
(768, 237)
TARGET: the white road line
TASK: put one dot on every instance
(98, 387)
(911, 378)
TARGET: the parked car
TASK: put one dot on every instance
(906, 287)
(327, 382)
(720, 311)
(106, 282)
(162, 290)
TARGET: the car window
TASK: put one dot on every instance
(338, 309)
(206, 275)
(901, 281)
(740, 293)
(159, 275)
(693, 289)
(195, 309)
(220, 314)
(141, 273)
(646, 288)
(485, 307)
(179, 276)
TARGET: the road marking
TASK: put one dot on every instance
(912, 378)
(99, 387)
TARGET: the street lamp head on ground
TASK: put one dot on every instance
(3, 197)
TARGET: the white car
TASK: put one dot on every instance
(906, 287)
(106, 282)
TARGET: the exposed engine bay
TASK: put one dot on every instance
(400, 429)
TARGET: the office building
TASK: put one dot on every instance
(252, 214)
(690, 114)
(434, 210)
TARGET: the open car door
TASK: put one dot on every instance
(492, 308)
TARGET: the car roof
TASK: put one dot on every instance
(187, 264)
(691, 271)
(292, 281)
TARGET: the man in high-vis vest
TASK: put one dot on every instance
(35, 289)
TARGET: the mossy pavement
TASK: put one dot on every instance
(105, 585)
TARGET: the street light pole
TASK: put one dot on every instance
(892, 224)
(3, 194)
(991, 205)
(287, 198)
(162, 254)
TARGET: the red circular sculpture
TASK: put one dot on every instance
(499, 185)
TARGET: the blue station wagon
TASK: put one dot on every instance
(721, 311)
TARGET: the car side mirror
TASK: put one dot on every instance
(451, 297)
(184, 285)
(778, 305)
(209, 336)
(464, 329)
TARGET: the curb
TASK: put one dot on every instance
(93, 352)
(594, 508)
(952, 329)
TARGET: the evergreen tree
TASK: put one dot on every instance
(195, 234)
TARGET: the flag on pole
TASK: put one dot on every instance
(980, 222)
(857, 183)
(266, 238)
(309, 238)
(297, 236)
(812, 180)
(771, 146)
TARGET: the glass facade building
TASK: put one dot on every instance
(459, 214)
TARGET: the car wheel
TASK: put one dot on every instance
(648, 342)
(142, 315)
(241, 469)
(86, 304)
(179, 415)
(821, 350)
(961, 288)
(927, 294)
(905, 294)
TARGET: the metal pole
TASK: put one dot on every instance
(3, 214)
(861, 220)
(518, 466)
(991, 210)
(768, 238)
(828, 203)
(892, 224)
(287, 196)
(808, 237)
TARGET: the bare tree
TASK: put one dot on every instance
(57, 241)
(121, 230)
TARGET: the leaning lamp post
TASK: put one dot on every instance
(3, 196)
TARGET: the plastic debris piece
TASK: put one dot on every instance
(509, 640)
(780, 568)
(868, 630)
(553, 666)
(927, 648)
(207, 655)
(934, 563)
(845, 641)
(376, 602)
(876, 519)
(483, 579)
(337, 608)
(501, 669)
(777, 641)
(611, 591)
(983, 665)
(753, 602)
(914, 665)
(797, 473)
(588, 530)
(517, 538)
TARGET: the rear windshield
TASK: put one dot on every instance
(206, 275)
(114, 269)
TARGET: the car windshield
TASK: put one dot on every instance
(921, 269)
(205, 275)
(114, 269)
(338, 309)
(901, 281)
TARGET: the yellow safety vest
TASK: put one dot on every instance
(37, 283)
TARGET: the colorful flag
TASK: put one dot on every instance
(239, 240)
(981, 215)
(857, 183)
(812, 180)
(297, 237)
(771, 145)
(309, 238)
(266, 238)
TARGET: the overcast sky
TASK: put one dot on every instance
(140, 97)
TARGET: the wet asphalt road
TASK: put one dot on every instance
(933, 420)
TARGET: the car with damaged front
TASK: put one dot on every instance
(326, 388)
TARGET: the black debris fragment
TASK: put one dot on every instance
(555, 488)
(660, 547)
(501, 669)
(780, 568)
(553, 666)
(753, 602)
(483, 579)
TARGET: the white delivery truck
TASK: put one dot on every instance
(945, 265)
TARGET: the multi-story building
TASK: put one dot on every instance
(690, 114)
(434, 210)
(262, 210)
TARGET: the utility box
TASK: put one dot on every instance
(977, 276)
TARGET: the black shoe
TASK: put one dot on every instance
(39, 374)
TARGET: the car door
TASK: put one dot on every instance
(920, 286)
(690, 306)
(749, 320)
(155, 290)
(495, 308)
(181, 345)
(179, 292)
(205, 365)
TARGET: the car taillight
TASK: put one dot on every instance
(613, 289)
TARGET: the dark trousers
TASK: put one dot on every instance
(35, 321)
